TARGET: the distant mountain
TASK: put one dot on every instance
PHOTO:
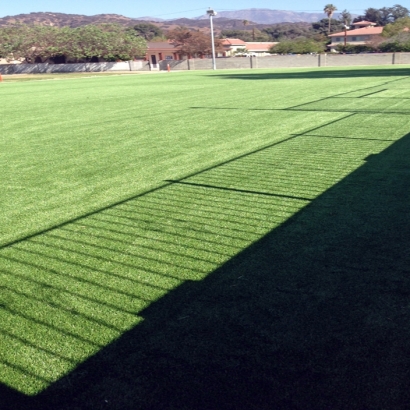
(268, 16)
(223, 20)
(147, 18)
(77, 20)
(61, 19)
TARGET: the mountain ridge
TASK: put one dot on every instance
(253, 16)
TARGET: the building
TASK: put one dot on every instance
(254, 48)
(364, 32)
(161, 50)
(165, 50)
(259, 49)
(231, 46)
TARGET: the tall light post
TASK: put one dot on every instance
(346, 28)
(211, 13)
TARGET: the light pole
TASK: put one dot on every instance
(346, 28)
(211, 13)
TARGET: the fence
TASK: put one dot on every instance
(73, 68)
(274, 61)
(289, 61)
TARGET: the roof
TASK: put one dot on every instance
(363, 23)
(259, 46)
(233, 42)
(359, 32)
(160, 45)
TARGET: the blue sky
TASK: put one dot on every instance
(168, 9)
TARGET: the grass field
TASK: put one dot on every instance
(206, 240)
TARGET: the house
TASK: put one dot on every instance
(165, 50)
(161, 50)
(259, 49)
(255, 48)
(231, 46)
(364, 32)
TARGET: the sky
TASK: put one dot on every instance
(169, 9)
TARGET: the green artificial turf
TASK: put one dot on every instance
(204, 222)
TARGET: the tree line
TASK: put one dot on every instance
(111, 42)
(312, 38)
(36, 44)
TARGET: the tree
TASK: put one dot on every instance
(370, 14)
(298, 46)
(244, 35)
(287, 31)
(241, 50)
(345, 17)
(322, 26)
(41, 43)
(399, 26)
(329, 9)
(148, 31)
(384, 15)
(245, 22)
(354, 49)
(399, 12)
(193, 43)
(398, 43)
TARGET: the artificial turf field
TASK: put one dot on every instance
(206, 240)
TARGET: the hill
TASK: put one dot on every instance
(268, 16)
(224, 20)
(202, 24)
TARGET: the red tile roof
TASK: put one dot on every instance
(262, 46)
(363, 23)
(233, 42)
(359, 32)
(160, 45)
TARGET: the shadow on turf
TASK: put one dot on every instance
(315, 315)
(318, 74)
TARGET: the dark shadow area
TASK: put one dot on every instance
(315, 315)
(327, 72)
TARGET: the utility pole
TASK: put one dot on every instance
(211, 13)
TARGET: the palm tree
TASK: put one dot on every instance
(245, 22)
(346, 17)
(329, 9)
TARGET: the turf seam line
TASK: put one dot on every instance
(353, 112)
(240, 190)
(347, 138)
(375, 92)
(349, 92)
(332, 96)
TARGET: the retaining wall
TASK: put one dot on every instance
(278, 61)
(289, 61)
(73, 68)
